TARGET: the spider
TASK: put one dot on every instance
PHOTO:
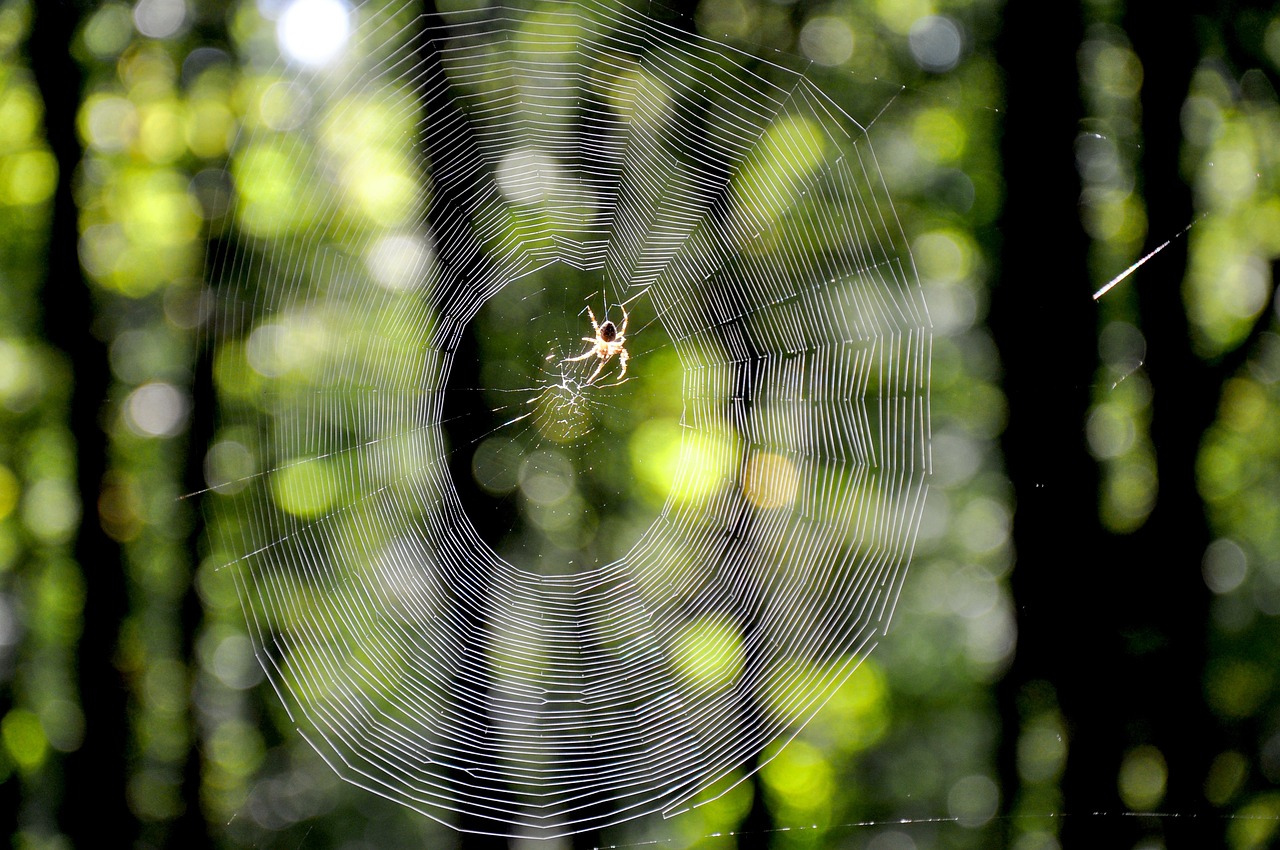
(608, 341)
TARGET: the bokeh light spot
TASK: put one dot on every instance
(708, 653)
(1142, 779)
(314, 32)
(800, 780)
(160, 18)
(29, 178)
(108, 32)
(936, 43)
(51, 509)
(827, 40)
(400, 261)
(770, 481)
(108, 122)
(10, 489)
(939, 136)
(546, 477)
(1224, 565)
(492, 468)
(156, 409)
(24, 738)
(304, 488)
(973, 800)
(228, 466)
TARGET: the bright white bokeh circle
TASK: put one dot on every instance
(314, 32)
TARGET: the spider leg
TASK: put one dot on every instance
(623, 330)
(604, 358)
(583, 357)
(595, 327)
(623, 357)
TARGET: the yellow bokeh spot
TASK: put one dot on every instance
(1227, 776)
(1218, 472)
(686, 464)
(156, 207)
(1227, 287)
(799, 780)
(770, 481)
(1234, 175)
(24, 738)
(10, 490)
(270, 183)
(109, 30)
(51, 509)
(353, 128)
(1143, 775)
(1237, 689)
(151, 239)
(236, 747)
(28, 178)
(1244, 405)
(792, 148)
(1117, 71)
(861, 706)
(1118, 216)
(210, 125)
(161, 136)
(1129, 492)
(232, 374)
(899, 15)
(20, 115)
(858, 711)
(108, 122)
(726, 18)
(1042, 749)
(939, 136)
(1255, 824)
(1263, 226)
(382, 188)
(708, 653)
(945, 256)
(797, 141)
(304, 488)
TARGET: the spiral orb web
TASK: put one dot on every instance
(403, 188)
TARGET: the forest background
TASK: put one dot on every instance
(1087, 646)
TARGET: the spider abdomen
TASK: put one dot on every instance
(608, 332)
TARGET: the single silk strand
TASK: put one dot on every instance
(1133, 268)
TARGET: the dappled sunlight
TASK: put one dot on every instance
(528, 413)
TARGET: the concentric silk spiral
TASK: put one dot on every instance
(440, 161)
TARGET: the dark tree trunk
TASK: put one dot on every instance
(191, 830)
(96, 773)
(1162, 581)
(1115, 623)
(1044, 323)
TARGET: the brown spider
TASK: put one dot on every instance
(608, 341)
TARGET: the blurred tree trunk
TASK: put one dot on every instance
(191, 829)
(1114, 623)
(95, 774)
(1044, 324)
(1168, 608)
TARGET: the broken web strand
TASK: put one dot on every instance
(432, 672)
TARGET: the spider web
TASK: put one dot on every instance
(501, 172)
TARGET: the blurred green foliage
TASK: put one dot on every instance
(913, 733)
